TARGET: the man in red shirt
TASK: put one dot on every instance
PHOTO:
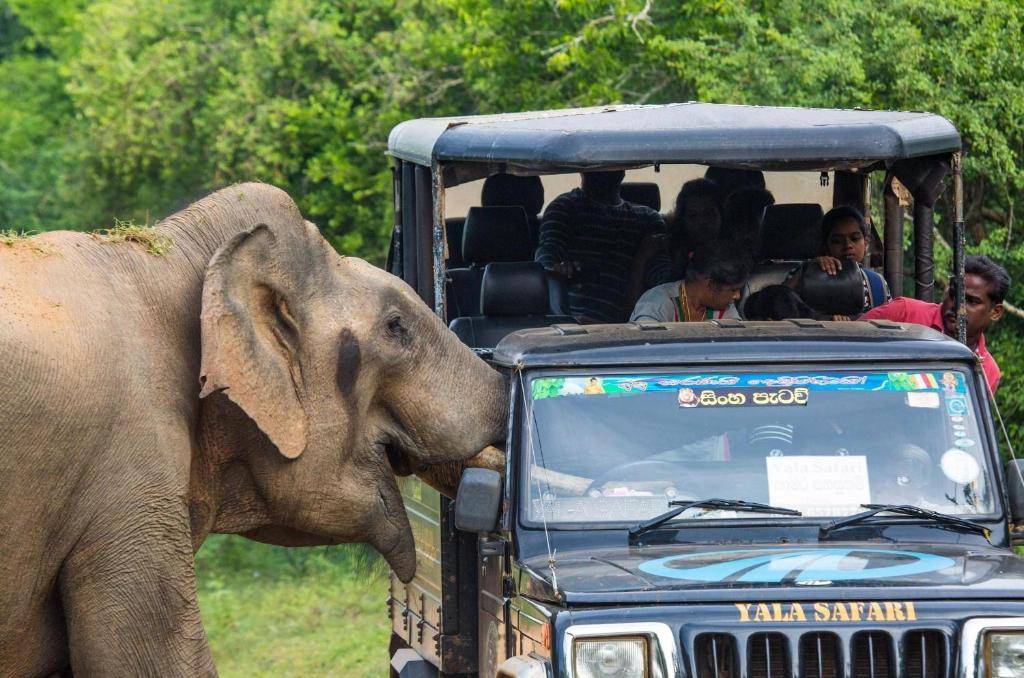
(985, 286)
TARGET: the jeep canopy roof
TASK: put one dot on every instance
(755, 137)
(916, 150)
(727, 341)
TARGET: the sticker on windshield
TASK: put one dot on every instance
(919, 381)
(959, 466)
(742, 397)
(929, 399)
(819, 485)
(950, 383)
(956, 405)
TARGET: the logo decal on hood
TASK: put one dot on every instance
(797, 565)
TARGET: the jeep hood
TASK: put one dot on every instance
(687, 573)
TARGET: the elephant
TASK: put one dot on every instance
(248, 380)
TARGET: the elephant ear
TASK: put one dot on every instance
(250, 332)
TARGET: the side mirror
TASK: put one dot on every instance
(478, 501)
(1015, 488)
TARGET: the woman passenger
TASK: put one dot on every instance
(715, 275)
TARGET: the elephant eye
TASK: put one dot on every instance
(395, 329)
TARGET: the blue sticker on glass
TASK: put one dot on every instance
(956, 405)
(798, 565)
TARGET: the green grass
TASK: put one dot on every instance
(150, 237)
(272, 611)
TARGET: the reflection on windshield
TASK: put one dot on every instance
(618, 448)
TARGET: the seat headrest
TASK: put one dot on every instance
(843, 293)
(792, 231)
(505, 190)
(496, 234)
(642, 193)
(514, 288)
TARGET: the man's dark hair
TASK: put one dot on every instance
(841, 213)
(743, 216)
(996, 276)
(720, 263)
(695, 189)
(729, 179)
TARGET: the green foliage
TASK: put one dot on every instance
(273, 611)
(132, 108)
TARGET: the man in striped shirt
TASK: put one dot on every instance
(590, 236)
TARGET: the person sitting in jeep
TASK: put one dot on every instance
(715, 275)
(845, 235)
(590, 236)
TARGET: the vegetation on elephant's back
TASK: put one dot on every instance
(130, 108)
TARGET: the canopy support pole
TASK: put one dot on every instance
(439, 242)
(893, 239)
(959, 244)
(924, 265)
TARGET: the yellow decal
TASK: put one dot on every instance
(833, 612)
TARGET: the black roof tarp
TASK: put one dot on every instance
(755, 137)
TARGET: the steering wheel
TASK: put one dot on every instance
(646, 470)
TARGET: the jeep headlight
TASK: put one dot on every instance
(1004, 654)
(621, 650)
(605, 657)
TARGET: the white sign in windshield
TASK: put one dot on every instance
(819, 485)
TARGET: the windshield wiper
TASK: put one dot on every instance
(730, 504)
(941, 518)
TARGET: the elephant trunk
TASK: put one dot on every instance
(445, 477)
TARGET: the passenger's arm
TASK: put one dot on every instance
(554, 238)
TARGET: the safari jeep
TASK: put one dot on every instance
(724, 499)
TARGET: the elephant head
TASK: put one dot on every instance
(349, 376)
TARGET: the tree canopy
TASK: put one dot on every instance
(130, 108)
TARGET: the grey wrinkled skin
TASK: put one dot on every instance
(248, 381)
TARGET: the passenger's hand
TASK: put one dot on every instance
(567, 269)
(841, 317)
(830, 265)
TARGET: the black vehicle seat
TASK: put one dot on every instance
(642, 193)
(513, 296)
(453, 235)
(489, 234)
(845, 293)
(790, 235)
(791, 231)
(509, 190)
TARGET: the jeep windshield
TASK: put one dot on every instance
(617, 448)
